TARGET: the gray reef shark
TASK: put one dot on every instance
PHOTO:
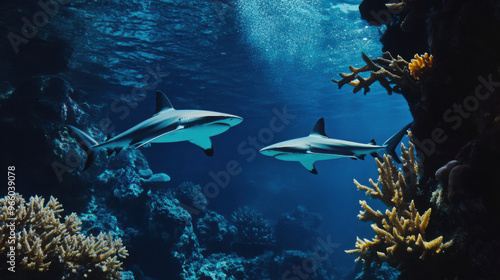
(165, 126)
(317, 146)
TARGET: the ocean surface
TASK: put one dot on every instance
(247, 58)
(251, 58)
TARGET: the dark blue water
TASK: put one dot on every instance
(249, 58)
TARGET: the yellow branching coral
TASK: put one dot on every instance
(41, 238)
(400, 231)
(392, 74)
(420, 65)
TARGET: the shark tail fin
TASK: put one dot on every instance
(86, 143)
(393, 141)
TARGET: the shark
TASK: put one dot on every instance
(165, 126)
(318, 146)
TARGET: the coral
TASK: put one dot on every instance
(420, 65)
(387, 70)
(42, 239)
(392, 74)
(251, 227)
(400, 232)
(214, 233)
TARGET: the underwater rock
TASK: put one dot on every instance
(460, 179)
(217, 266)
(378, 272)
(214, 233)
(443, 173)
(170, 236)
(302, 265)
(304, 226)
(191, 198)
(406, 32)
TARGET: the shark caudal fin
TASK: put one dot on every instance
(86, 143)
(393, 141)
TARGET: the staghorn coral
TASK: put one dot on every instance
(42, 240)
(400, 232)
(392, 74)
(420, 65)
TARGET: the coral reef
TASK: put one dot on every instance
(42, 240)
(401, 231)
(392, 74)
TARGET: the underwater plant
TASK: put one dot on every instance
(42, 242)
(251, 227)
(400, 233)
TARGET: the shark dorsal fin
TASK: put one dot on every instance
(372, 142)
(162, 102)
(319, 128)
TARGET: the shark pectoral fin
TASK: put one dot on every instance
(114, 150)
(361, 157)
(375, 155)
(353, 157)
(205, 144)
(309, 165)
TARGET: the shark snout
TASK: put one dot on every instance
(269, 151)
(232, 120)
